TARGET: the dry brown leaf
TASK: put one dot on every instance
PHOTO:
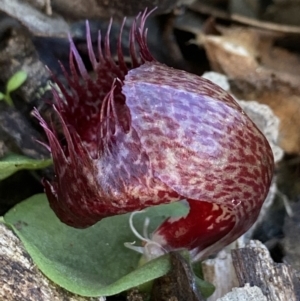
(260, 71)
(284, 12)
(79, 9)
(38, 22)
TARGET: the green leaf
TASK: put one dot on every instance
(16, 81)
(1, 96)
(13, 162)
(206, 288)
(90, 262)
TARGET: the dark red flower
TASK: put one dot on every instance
(152, 135)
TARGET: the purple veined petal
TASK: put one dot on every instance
(139, 136)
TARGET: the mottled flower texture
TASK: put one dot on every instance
(149, 135)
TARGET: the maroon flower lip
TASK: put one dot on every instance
(148, 135)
